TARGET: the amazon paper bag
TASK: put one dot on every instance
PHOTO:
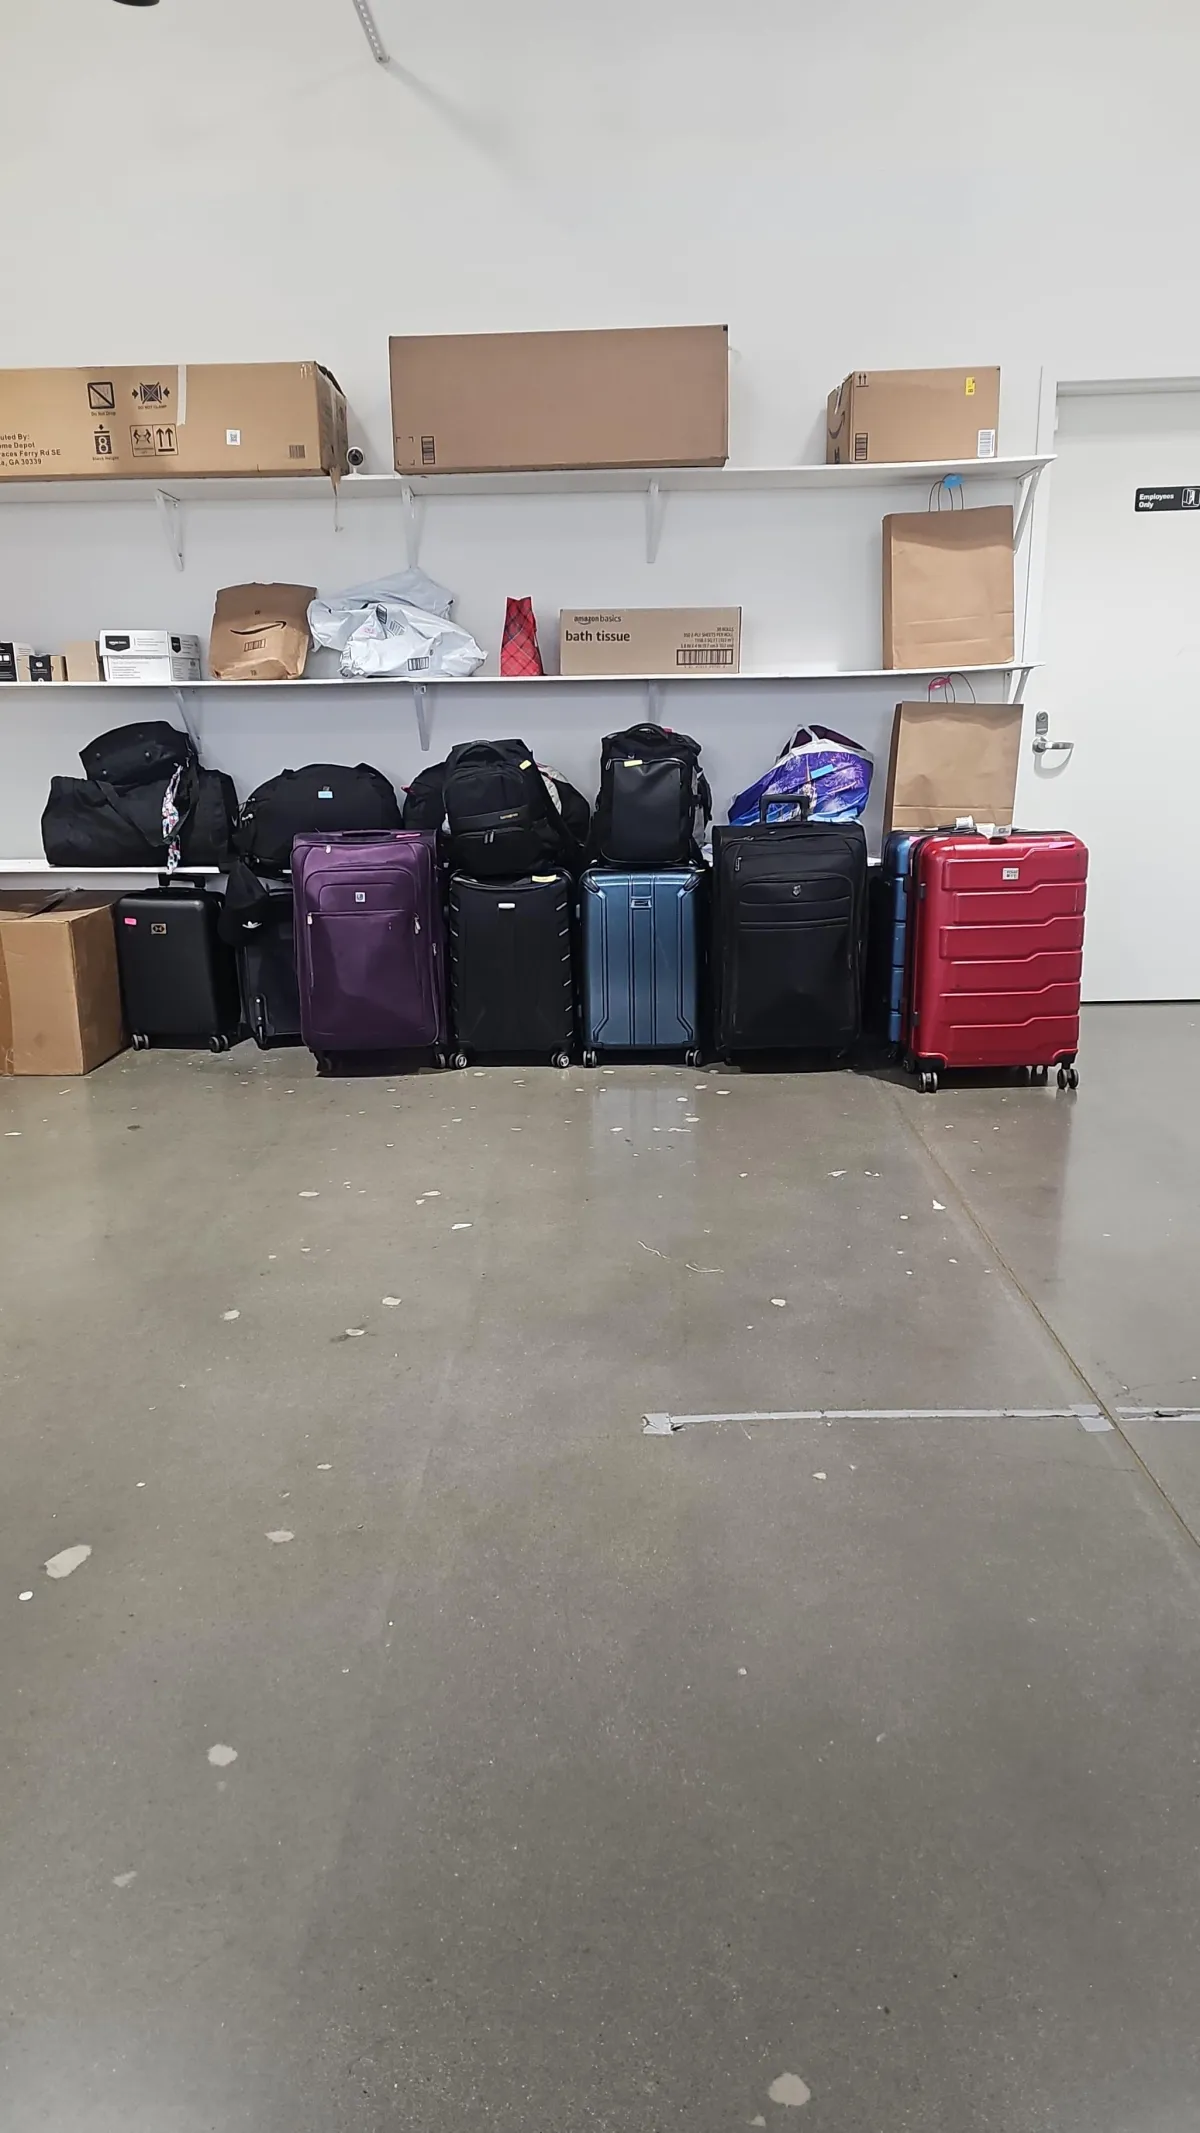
(951, 760)
(260, 632)
(948, 589)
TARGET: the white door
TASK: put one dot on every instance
(1121, 640)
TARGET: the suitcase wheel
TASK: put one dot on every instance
(139, 1041)
(590, 1059)
(693, 1058)
(460, 1060)
(1068, 1075)
(557, 1059)
(324, 1062)
(928, 1083)
(219, 1044)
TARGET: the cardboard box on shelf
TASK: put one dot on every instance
(41, 666)
(260, 632)
(165, 667)
(202, 418)
(60, 998)
(949, 760)
(948, 588)
(83, 660)
(650, 640)
(11, 655)
(888, 416)
(468, 403)
(148, 644)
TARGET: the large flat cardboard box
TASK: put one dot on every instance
(952, 760)
(200, 418)
(650, 640)
(512, 402)
(888, 416)
(60, 997)
(948, 589)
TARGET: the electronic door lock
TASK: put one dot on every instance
(1042, 746)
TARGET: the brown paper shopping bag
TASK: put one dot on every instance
(948, 588)
(260, 632)
(952, 760)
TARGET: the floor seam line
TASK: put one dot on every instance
(1106, 1407)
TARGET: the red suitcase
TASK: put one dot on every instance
(997, 954)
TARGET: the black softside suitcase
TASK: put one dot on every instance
(266, 958)
(789, 917)
(178, 979)
(511, 965)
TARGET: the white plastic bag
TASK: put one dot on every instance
(395, 626)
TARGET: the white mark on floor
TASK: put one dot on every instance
(741, 1670)
(692, 1117)
(879, 1737)
(431, 1193)
(460, 1225)
(391, 1301)
(227, 1315)
(355, 1333)
(692, 1268)
(743, 1173)
(24, 1596)
(651, 1248)
(820, 1477)
(759, 2121)
(67, 1560)
(280, 1535)
(222, 1756)
(780, 1302)
(13, 1134)
(122, 1881)
(325, 1466)
(939, 1207)
(308, 1196)
(789, 2089)
(904, 1218)
(837, 1173)
(306, 1247)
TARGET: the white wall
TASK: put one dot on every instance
(890, 184)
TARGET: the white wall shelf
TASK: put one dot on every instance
(1015, 676)
(412, 491)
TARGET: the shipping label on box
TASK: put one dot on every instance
(889, 416)
(650, 640)
(140, 667)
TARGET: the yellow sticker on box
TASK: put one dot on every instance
(969, 387)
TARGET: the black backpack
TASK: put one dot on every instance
(652, 790)
(319, 796)
(501, 817)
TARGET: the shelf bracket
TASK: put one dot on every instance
(654, 702)
(1016, 681)
(424, 712)
(656, 507)
(1027, 493)
(189, 725)
(170, 518)
(414, 514)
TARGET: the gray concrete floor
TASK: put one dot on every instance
(589, 1780)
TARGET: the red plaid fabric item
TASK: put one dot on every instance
(519, 652)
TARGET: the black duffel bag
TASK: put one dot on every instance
(319, 796)
(142, 754)
(88, 823)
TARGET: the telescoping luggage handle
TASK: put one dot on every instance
(802, 798)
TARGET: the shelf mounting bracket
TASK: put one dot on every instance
(1028, 491)
(424, 713)
(414, 514)
(654, 702)
(656, 507)
(189, 724)
(170, 518)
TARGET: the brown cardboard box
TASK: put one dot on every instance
(83, 660)
(650, 640)
(41, 666)
(60, 1000)
(466, 403)
(948, 588)
(260, 632)
(203, 418)
(952, 760)
(890, 416)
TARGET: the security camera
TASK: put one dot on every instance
(355, 456)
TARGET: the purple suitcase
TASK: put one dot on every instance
(370, 942)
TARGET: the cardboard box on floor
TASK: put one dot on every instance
(952, 760)
(260, 632)
(887, 416)
(60, 997)
(468, 403)
(650, 640)
(202, 418)
(948, 589)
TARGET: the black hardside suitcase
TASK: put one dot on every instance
(789, 925)
(178, 979)
(266, 958)
(512, 986)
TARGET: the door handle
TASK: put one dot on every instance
(1044, 747)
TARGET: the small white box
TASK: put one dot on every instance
(148, 644)
(163, 667)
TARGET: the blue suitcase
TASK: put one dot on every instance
(887, 946)
(641, 961)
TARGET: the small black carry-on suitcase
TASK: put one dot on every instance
(178, 979)
(790, 904)
(511, 968)
(266, 958)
